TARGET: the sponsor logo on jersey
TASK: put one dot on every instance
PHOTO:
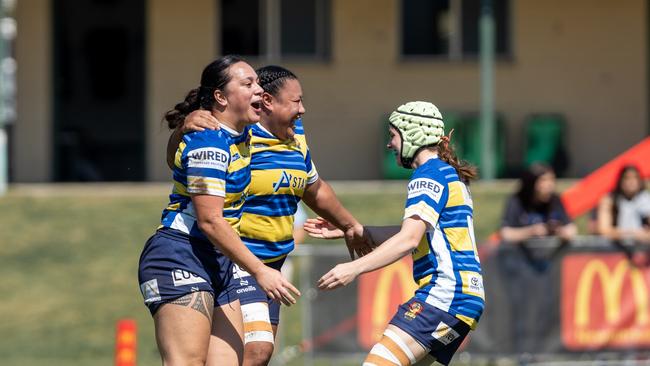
(239, 273)
(415, 308)
(246, 289)
(476, 284)
(288, 180)
(425, 186)
(150, 291)
(184, 278)
(445, 334)
(208, 157)
(236, 157)
(284, 181)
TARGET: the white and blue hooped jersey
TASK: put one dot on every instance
(212, 162)
(280, 172)
(446, 266)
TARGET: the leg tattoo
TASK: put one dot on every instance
(202, 302)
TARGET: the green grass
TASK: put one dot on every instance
(68, 264)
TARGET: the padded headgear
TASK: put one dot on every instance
(420, 125)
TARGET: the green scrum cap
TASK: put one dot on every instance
(420, 125)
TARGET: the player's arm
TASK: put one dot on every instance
(396, 247)
(323, 229)
(198, 120)
(209, 214)
(320, 197)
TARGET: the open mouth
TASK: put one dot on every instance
(257, 106)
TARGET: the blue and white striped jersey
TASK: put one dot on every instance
(212, 162)
(446, 266)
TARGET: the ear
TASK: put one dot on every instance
(267, 100)
(220, 98)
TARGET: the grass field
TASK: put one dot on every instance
(69, 255)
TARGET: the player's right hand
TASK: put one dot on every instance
(322, 229)
(358, 241)
(276, 286)
(200, 120)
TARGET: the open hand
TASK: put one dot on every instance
(339, 276)
(322, 229)
(276, 286)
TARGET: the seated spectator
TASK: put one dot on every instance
(623, 214)
(536, 209)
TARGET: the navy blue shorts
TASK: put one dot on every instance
(174, 264)
(249, 291)
(437, 330)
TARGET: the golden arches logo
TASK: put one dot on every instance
(612, 285)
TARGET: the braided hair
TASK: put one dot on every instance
(272, 78)
(214, 76)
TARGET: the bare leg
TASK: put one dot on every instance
(227, 340)
(183, 329)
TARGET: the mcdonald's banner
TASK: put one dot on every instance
(547, 300)
(604, 302)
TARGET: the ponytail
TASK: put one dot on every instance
(176, 116)
(466, 171)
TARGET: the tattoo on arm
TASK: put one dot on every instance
(201, 301)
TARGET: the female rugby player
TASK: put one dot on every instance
(282, 173)
(437, 230)
(185, 272)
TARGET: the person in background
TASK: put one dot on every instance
(536, 209)
(624, 214)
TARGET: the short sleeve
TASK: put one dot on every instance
(426, 198)
(205, 160)
(312, 173)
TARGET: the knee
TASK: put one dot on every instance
(187, 360)
(258, 353)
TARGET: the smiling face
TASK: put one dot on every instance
(243, 95)
(285, 108)
(395, 144)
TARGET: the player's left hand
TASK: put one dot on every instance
(339, 276)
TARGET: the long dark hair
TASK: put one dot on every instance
(527, 182)
(618, 189)
(214, 76)
(272, 78)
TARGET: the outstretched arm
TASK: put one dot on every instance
(323, 229)
(320, 197)
(398, 246)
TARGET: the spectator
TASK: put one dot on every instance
(536, 209)
(623, 215)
